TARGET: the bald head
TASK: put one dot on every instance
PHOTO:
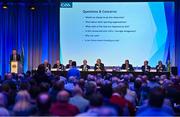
(63, 96)
(43, 98)
(43, 102)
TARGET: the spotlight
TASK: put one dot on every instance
(32, 8)
(4, 6)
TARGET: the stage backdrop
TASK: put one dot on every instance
(36, 34)
(33, 33)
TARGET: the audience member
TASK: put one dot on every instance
(78, 100)
(73, 71)
(23, 96)
(3, 100)
(118, 97)
(43, 104)
(23, 108)
(155, 105)
(62, 106)
(96, 102)
(4, 112)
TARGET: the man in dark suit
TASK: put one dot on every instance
(15, 56)
(146, 67)
(59, 66)
(127, 66)
(160, 67)
(69, 65)
(46, 65)
(99, 66)
(85, 66)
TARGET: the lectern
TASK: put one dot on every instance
(15, 67)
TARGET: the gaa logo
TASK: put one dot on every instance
(13, 66)
(66, 5)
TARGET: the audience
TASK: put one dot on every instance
(42, 94)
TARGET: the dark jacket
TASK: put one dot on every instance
(130, 68)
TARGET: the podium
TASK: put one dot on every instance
(16, 67)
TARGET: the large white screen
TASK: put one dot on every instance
(113, 31)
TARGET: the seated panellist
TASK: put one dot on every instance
(127, 66)
(146, 67)
(160, 67)
(69, 65)
(99, 66)
(46, 65)
(59, 66)
(85, 66)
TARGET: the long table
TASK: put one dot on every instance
(114, 73)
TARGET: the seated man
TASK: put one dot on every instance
(59, 66)
(99, 66)
(85, 66)
(127, 66)
(69, 65)
(73, 71)
(146, 67)
(160, 67)
(155, 105)
(46, 65)
(62, 107)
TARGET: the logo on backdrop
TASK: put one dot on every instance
(66, 5)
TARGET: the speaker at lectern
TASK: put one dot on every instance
(15, 64)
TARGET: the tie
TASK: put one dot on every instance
(14, 57)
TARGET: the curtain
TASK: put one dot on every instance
(36, 32)
(177, 41)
